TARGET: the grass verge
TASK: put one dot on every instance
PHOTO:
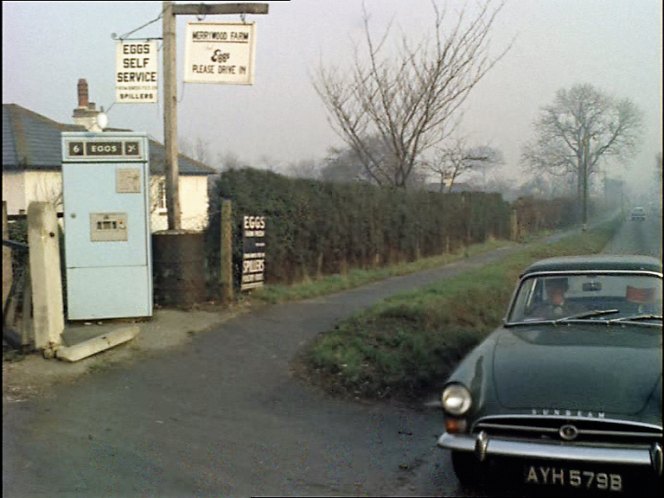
(406, 345)
(354, 278)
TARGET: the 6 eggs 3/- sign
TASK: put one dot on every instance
(220, 53)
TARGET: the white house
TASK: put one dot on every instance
(32, 165)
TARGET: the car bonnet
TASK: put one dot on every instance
(594, 368)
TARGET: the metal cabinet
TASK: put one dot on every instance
(106, 193)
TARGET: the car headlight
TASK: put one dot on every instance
(456, 399)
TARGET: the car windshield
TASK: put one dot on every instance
(612, 298)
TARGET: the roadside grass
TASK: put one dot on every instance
(356, 277)
(406, 345)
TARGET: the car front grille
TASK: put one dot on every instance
(577, 430)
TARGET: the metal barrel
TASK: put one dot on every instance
(178, 258)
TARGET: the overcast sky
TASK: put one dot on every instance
(614, 45)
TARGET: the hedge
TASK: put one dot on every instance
(316, 228)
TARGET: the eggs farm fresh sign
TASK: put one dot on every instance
(253, 252)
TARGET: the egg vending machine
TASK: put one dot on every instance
(106, 194)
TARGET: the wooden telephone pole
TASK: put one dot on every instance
(170, 10)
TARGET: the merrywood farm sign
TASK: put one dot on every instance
(220, 53)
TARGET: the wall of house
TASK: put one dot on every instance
(193, 203)
(13, 191)
(21, 188)
(44, 186)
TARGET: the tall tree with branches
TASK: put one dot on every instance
(582, 128)
(407, 99)
(457, 159)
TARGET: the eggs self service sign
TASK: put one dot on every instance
(136, 72)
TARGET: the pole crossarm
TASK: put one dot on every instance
(217, 8)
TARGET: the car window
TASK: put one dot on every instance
(538, 297)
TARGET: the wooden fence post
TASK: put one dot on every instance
(45, 277)
(226, 263)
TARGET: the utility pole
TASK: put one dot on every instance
(584, 220)
(172, 171)
(170, 10)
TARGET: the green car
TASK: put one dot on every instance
(568, 392)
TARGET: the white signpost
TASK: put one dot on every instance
(220, 53)
(136, 72)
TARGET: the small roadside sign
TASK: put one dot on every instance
(222, 53)
(136, 72)
(253, 252)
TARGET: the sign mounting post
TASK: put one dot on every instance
(170, 10)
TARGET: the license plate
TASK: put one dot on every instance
(545, 475)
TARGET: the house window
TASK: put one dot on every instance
(161, 195)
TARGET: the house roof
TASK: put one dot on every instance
(31, 141)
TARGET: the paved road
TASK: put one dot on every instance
(638, 237)
(225, 417)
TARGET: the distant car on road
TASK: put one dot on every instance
(638, 213)
(567, 393)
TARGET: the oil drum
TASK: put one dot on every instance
(178, 258)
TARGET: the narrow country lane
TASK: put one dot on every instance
(224, 416)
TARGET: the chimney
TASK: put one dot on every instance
(85, 114)
(82, 93)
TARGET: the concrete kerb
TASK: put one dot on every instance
(97, 344)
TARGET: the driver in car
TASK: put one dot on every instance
(556, 304)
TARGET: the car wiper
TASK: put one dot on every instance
(586, 314)
(636, 318)
(578, 316)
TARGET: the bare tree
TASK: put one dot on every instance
(457, 159)
(49, 189)
(407, 100)
(344, 164)
(545, 187)
(157, 193)
(304, 168)
(200, 150)
(230, 160)
(581, 128)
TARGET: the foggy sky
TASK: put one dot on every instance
(614, 45)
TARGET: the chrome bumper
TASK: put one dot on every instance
(483, 446)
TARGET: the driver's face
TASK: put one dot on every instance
(556, 295)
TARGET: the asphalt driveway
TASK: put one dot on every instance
(224, 416)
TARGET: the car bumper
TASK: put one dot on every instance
(483, 447)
